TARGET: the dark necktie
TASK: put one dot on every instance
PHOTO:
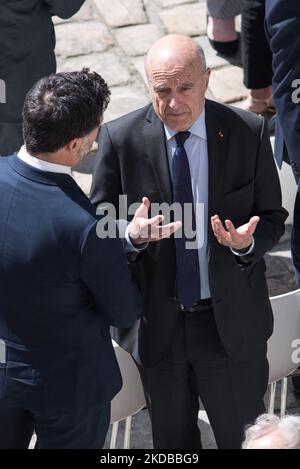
(187, 261)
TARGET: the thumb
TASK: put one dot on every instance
(143, 209)
(253, 223)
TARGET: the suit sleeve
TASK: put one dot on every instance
(64, 8)
(267, 201)
(104, 271)
(282, 26)
(106, 184)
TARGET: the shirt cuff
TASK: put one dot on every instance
(241, 254)
(130, 246)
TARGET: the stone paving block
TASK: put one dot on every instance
(213, 60)
(125, 99)
(139, 64)
(226, 84)
(136, 40)
(108, 65)
(74, 39)
(121, 12)
(189, 19)
(171, 3)
(86, 12)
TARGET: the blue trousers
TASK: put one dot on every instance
(86, 430)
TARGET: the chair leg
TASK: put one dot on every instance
(283, 397)
(114, 433)
(272, 398)
(127, 433)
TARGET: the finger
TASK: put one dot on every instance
(155, 220)
(253, 224)
(143, 209)
(146, 202)
(232, 231)
(167, 230)
(221, 233)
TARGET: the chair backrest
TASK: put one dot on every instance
(283, 344)
(131, 398)
(288, 187)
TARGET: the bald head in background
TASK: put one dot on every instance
(178, 80)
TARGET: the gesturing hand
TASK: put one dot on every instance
(145, 230)
(239, 238)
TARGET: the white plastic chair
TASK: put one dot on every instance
(284, 344)
(288, 187)
(129, 401)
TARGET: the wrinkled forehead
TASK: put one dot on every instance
(179, 73)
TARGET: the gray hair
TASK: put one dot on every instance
(288, 427)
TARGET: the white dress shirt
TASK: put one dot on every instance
(197, 153)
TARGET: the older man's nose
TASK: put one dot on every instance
(174, 102)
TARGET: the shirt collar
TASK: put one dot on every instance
(198, 128)
(43, 165)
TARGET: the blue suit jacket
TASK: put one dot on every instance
(283, 31)
(61, 288)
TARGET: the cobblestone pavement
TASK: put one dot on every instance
(112, 37)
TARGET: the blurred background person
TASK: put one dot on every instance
(221, 31)
(282, 27)
(256, 57)
(27, 42)
(272, 432)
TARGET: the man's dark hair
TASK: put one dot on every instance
(62, 107)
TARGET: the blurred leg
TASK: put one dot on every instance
(16, 427)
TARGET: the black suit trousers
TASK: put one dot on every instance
(198, 366)
(256, 52)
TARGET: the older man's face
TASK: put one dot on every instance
(178, 93)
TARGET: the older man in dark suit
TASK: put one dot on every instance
(27, 42)
(206, 312)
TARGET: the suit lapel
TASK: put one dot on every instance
(156, 151)
(217, 136)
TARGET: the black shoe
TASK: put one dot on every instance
(229, 48)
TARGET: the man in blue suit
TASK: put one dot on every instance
(282, 27)
(61, 287)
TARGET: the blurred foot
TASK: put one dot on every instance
(260, 101)
(222, 35)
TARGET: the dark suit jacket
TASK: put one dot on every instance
(61, 288)
(243, 181)
(282, 28)
(27, 43)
